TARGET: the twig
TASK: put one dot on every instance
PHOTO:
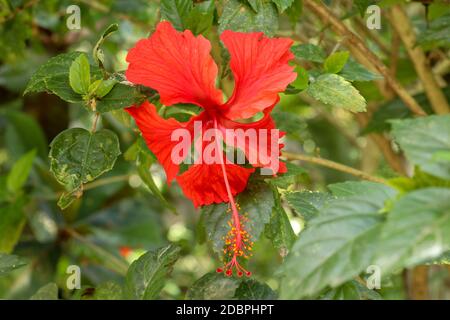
(402, 25)
(333, 165)
(94, 123)
(356, 44)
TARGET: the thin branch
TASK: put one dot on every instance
(333, 165)
(402, 25)
(356, 44)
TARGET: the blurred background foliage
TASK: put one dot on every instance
(122, 214)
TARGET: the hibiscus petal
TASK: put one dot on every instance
(157, 134)
(204, 183)
(258, 153)
(177, 65)
(260, 68)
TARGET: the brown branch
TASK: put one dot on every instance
(356, 44)
(333, 165)
(402, 25)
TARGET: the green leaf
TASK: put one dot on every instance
(53, 77)
(108, 291)
(176, 12)
(11, 224)
(334, 90)
(308, 51)
(78, 156)
(254, 290)
(279, 229)
(417, 229)
(354, 71)
(20, 171)
(80, 74)
(336, 61)
(295, 11)
(97, 51)
(283, 4)
(308, 203)
(256, 201)
(238, 16)
(362, 5)
(9, 262)
(336, 245)
(359, 188)
(437, 34)
(47, 292)
(28, 132)
(302, 80)
(145, 277)
(201, 17)
(101, 88)
(120, 96)
(421, 139)
(213, 286)
(352, 290)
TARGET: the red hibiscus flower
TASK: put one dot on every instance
(178, 65)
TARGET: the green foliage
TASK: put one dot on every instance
(437, 34)
(20, 172)
(238, 16)
(9, 262)
(145, 278)
(336, 61)
(47, 292)
(309, 52)
(80, 74)
(352, 290)
(435, 130)
(308, 203)
(184, 14)
(353, 71)
(334, 90)
(254, 290)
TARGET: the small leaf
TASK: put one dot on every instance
(279, 229)
(308, 51)
(20, 171)
(11, 223)
(9, 262)
(254, 290)
(421, 138)
(335, 62)
(302, 80)
(102, 87)
(97, 52)
(78, 156)
(119, 97)
(145, 277)
(354, 71)
(213, 286)
(201, 17)
(79, 74)
(47, 292)
(308, 203)
(334, 90)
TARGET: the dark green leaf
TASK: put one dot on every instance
(256, 201)
(120, 96)
(9, 262)
(301, 83)
(213, 286)
(354, 71)
(79, 156)
(176, 12)
(417, 229)
(285, 180)
(308, 203)
(97, 52)
(421, 139)
(254, 290)
(108, 291)
(283, 4)
(200, 18)
(11, 224)
(145, 277)
(334, 90)
(238, 16)
(437, 34)
(352, 290)
(308, 51)
(336, 246)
